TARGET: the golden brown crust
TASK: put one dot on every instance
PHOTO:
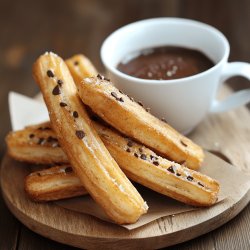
(55, 183)
(87, 154)
(24, 145)
(133, 120)
(142, 165)
(81, 67)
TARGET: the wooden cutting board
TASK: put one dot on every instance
(226, 133)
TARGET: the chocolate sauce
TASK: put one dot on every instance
(166, 63)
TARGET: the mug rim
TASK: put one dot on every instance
(120, 74)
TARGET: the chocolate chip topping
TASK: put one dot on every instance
(200, 184)
(120, 91)
(141, 150)
(50, 73)
(106, 79)
(38, 174)
(59, 82)
(31, 136)
(136, 155)
(183, 143)
(114, 95)
(75, 114)
(131, 98)
(51, 139)
(153, 157)
(163, 120)
(171, 169)
(178, 174)
(156, 163)
(76, 63)
(121, 99)
(68, 170)
(80, 134)
(128, 150)
(130, 143)
(147, 109)
(100, 77)
(41, 141)
(56, 90)
(190, 178)
(63, 104)
(143, 157)
(140, 103)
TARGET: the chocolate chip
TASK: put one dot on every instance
(41, 141)
(52, 139)
(153, 157)
(136, 155)
(114, 95)
(31, 136)
(106, 79)
(59, 82)
(130, 143)
(63, 104)
(140, 103)
(163, 120)
(131, 98)
(75, 114)
(120, 91)
(141, 150)
(190, 178)
(171, 170)
(143, 157)
(38, 174)
(200, 184)
(178, 174)
(156, 163)
(121, 99)
(100, 77)
(80, 134)
(68, 170)
(128, 150)
(147, 109)
(56, 90)
(183, 143)
(76, 63)
(50, 73)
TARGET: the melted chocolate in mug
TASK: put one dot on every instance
(166, 63)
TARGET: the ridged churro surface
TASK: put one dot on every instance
(142, 165)
(131, 119)
(90, 159)
(55, 183)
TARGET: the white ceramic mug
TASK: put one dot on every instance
(182, 102)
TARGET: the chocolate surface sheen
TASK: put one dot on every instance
(165, 63)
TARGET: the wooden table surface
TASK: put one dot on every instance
(28, 28)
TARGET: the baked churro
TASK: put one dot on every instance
(91, 161)
(142, 165)
(130, 118)
(55, 183)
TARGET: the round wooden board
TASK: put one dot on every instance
(87, 232)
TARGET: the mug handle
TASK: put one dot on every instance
(239, 98)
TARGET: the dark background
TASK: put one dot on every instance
(29, 28)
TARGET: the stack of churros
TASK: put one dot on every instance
(100, 158)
